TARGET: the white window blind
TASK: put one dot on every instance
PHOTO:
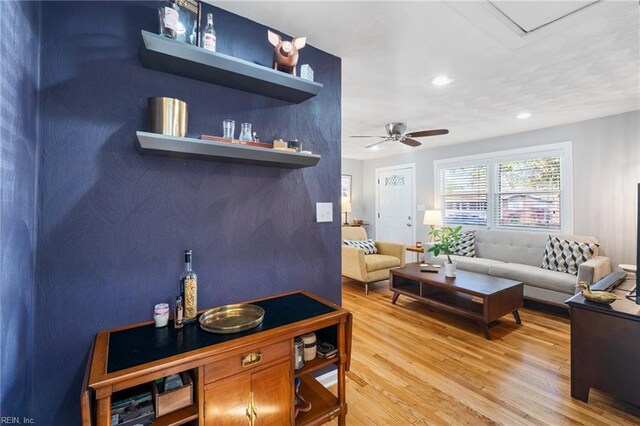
(464, 192)
(528, 193)
(525, 188)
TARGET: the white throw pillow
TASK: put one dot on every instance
(369, 246)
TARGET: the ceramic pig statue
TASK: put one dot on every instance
(285, 53)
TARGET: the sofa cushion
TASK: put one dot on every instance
(511, 246)
(565, 256)
(473, 264)
(466, 244)
(535, 276)
(369, 246)
(517, 246)
(375, 262)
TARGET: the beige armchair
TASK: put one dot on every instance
(368, 268)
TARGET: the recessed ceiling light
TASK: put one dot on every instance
(523, 115)
(376, 148)
(442, 80)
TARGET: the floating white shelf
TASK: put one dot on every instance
(176, 147)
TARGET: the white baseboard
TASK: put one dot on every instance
(328, 379)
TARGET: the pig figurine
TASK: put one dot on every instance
(285, 53)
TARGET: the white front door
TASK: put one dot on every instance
(395, 211)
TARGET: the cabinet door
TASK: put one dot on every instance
(272, 395)
(227, 401)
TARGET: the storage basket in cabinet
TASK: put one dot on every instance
(174, 399)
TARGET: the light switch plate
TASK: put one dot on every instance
(324, 212)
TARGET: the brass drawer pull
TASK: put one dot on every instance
(251, 359)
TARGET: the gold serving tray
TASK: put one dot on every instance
(231, 318)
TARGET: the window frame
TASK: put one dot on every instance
(563, 150)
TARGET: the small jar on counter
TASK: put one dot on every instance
(161, 315)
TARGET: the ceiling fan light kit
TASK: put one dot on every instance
(397, 131)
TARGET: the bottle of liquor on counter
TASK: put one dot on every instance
(209, 34)
(178, 314)
(189, 290)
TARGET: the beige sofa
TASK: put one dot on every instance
(518, 255)
(368, 268)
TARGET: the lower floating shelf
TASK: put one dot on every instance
(177, 147)
(324, 404)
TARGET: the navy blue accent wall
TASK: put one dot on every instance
(113, 224)
(19, 43)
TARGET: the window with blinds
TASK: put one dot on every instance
(528, 193)
(527, 188)
(464, 192)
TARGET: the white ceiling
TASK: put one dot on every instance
(582, 66)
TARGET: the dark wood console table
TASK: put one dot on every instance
(605, 346)
(226, 388)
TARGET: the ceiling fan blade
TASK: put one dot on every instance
(410, 142)
(424, 133)
(378, 143)
(371, 136)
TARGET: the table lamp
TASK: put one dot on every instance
(346, 209)
(432, 217)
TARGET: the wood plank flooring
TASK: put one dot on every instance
(415, 365)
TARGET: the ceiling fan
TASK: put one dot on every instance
(396, 131)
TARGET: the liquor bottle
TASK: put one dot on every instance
(209, 34)
(189, 290)
(178, 314)
(169, 13)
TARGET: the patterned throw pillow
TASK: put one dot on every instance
(566, 256)
(369, 246)
(466, 245)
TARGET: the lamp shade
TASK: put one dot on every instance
(346, 207)
(432, 217)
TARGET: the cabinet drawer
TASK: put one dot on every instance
(246, 361)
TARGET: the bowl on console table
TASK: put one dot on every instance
(232, 318)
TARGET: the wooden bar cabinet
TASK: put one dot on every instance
(238, 379)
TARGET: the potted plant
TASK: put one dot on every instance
(445, 240)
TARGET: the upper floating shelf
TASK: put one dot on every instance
(164, 54)
(172, 146)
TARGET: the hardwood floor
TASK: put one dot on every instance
(414, 365)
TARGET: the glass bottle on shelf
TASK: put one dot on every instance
(193, 38)
(245, 132)
(168, 14)
(209, 35)
(189, 290)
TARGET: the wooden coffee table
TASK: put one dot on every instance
(477, 296)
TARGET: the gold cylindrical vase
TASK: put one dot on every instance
(167, 116)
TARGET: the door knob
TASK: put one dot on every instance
(409, 225)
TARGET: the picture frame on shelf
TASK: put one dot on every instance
(345, 188)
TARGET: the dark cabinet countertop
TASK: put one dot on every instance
(136, 346)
